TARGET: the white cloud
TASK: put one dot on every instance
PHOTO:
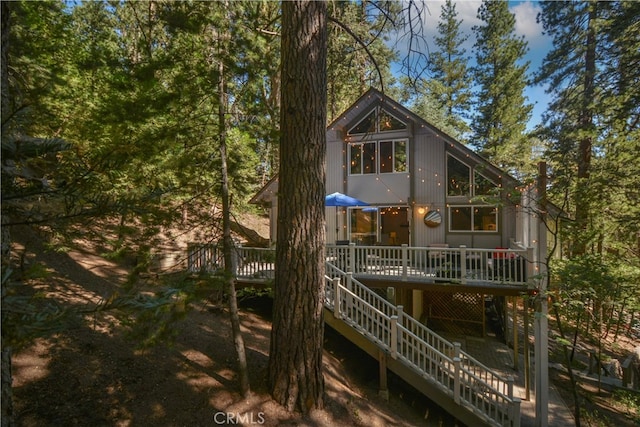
(526, 25)
(525, 13)
(466, 10)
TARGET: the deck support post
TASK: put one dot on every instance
(456, 380)
(516, 361)
(336, 298)
(383, 390)
(484, 316)
(527, 356)
(393, 338)
(541, 363)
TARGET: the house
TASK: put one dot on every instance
(431, 195)
(422, 187)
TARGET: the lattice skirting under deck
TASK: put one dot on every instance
(455, 312)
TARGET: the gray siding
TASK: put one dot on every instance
(428, 170)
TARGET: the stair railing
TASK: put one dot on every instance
(455, 372)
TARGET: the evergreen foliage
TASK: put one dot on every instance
(592, 125)
(502, 112)
(350, 70)
(450, 82)
(591, 131)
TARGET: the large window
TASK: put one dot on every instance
(364, 226)
(386, 225)
(473, 218)
(464, 183)
(383, 156)
(482, 186)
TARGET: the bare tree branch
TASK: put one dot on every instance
(364, 46)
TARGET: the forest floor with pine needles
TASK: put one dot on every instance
(92, 374)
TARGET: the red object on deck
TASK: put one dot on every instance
(503, 255)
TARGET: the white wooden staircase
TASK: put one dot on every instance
(453, 379)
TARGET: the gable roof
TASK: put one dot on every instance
(264, 195)
(374, 98)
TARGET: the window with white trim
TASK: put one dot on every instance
(390, 156)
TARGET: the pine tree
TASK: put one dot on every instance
(350, 69)
(450, 83)
(592, 129)
(499, 128)
(570, 71)
(295, 356)
(594, 117)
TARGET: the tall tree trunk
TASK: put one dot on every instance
(583, 199)
(227, 241)
(295, 363)
(6, 417)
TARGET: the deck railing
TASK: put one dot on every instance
(466, 380)
(248, 263)
(435, 264)
(424, 264)
(455, 372)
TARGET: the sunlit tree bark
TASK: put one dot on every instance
(295, 364)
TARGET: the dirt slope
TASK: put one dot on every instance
(91, 375)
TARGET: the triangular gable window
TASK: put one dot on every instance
(366, 125)
(388, 122)
(377, 120)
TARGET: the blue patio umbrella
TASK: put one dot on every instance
(339, 199)
(342, 200)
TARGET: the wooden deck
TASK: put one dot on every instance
(460, 384)
(490, 271)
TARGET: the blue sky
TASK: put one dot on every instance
(525, 13)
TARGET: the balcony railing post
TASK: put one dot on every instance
(190, 256)
(456, 349)
(351, 262)
(336, 298)
(456, 380)
(399, 313)
(514, 406)
(405, 260)
(203, 259)
(463, 264)
(531, 265)
(393, 336)
(515, 412)
(349, 281)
